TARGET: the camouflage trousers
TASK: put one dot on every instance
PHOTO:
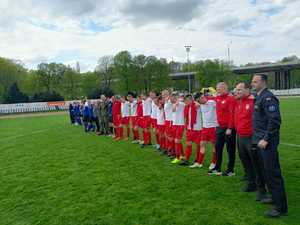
(104, 128)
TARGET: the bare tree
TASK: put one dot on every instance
(105, 68)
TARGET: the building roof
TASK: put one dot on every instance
(185, 75)
(267, 68)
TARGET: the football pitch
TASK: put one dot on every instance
(52, 173)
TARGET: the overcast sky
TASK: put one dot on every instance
(67, 31)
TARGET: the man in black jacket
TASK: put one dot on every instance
(266, 127)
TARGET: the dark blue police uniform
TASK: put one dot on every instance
(266, 126)
(72, 113)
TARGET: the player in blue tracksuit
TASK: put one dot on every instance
(86, 116)
(77, 113)
(72, 113)
(91, 126)
(110, 116)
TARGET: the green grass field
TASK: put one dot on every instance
(53, 173)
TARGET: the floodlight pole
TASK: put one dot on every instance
(228, 52)
(188, 49)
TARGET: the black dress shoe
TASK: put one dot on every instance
(274, 213)
(184, 163)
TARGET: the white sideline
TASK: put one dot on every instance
(44, 130)
(290, 145)
(22, 135)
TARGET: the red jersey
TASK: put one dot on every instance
(190, 111)
(116, 108)
(225, 110)
(139, 109)
(243, 116)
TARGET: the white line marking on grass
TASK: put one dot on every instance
(290, 145)
(22, 135)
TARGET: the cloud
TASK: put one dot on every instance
(84, 30)
(74, 8)
(170, 11)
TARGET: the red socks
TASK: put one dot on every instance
(167, 144)
(157, 137)
(188, 152)
(121, 132)
(136, 135)
(128, 132)
(118, 132)
(179, 150)
(162, 143)
(172, 147)
(147, 137)
(200, 158)
(200, 155)
(198, 152)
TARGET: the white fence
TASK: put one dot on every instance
(33, 107)
(36, 107)
(64, 105)
(288, 92)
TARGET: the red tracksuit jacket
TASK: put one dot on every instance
(243, 116)
(116, 108)
(139, 109)
(225, 110)
(193, 115)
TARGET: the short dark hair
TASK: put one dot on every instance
(263, 77)
(197, 95)
(247, 85)
(132, 94)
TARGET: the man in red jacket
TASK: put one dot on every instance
(225, 131)
(250, 158)
(243, 123)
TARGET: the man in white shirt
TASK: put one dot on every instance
(154, 107)
(133, 117)
(160, 127)
(208, 133)
(170, 144)
(125, 116)
(193, 122)
(146, 122)
(178, 126)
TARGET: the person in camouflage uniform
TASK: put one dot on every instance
(96, 117)
(103, 115)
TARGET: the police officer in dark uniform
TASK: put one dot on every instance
(72, 113)
(266, 126)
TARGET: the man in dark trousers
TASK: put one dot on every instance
(225, 131)
(266, 127)
(96, 117)
(104, 115)
(249, 156)
(243, 123)
(72, 113)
